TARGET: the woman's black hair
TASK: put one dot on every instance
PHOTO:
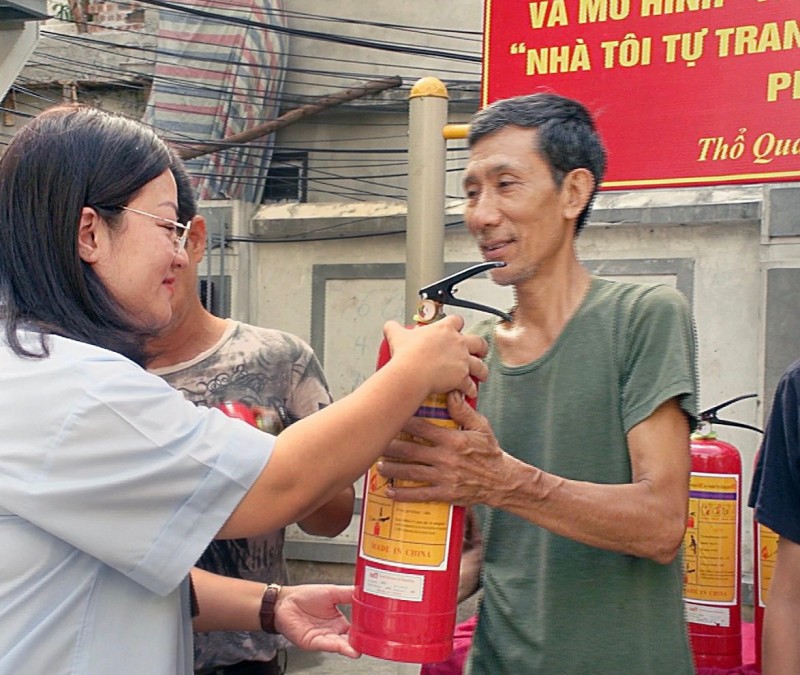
(187, 202)
(69, 157)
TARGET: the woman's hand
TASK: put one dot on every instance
(308, 616)
(448, 359)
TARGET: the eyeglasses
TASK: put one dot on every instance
(178, 231)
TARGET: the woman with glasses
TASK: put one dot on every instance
(111, 484)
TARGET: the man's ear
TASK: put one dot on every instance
(88, 230)
(196, 242)
(577, 189)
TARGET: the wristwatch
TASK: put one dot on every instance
(267, 611)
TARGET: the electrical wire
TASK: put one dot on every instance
(319, 35)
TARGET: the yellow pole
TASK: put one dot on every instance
(455, 132)
(426, 181)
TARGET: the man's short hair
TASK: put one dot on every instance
(567, 138)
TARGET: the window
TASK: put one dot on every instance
(287, 179)
(215, 299)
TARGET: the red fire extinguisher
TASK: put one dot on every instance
(712, 545)
(406, 578)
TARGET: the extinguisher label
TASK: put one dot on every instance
(767, 542)
(707, 616)
(395, 585)
(710, 545)
(409, 534)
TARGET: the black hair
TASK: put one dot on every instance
(566, 136)
(69, 157)
(187, 203)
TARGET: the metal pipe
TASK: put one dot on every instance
(426, 188)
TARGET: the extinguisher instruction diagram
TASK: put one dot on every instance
(409, 534)
(710, 542)
(767, 553)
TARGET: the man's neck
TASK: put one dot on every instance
(549, 300)
(197, 331)
(544, 306)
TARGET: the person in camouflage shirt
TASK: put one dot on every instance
(212, 361)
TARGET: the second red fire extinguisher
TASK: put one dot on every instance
(406, 578)
(712, 545)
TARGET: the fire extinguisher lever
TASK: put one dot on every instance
(710, 416)
(442, 292)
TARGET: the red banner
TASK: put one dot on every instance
(685, 92)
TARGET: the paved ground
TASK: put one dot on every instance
(314, 663)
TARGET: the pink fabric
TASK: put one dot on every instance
(748, 642)
(462, 638)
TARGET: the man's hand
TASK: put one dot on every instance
(308, 616)
(457, 466)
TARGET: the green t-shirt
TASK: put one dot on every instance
(553, 605)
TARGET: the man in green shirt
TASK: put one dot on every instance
(581, 480)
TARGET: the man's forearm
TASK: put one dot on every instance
(331, 518)
(634, 518)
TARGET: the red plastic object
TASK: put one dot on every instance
(240, 411)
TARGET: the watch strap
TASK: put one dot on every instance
(267, 611)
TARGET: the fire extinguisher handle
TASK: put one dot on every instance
(710, 415)
(715, 409)
(742, 425)
(443, 291)
(434, 296)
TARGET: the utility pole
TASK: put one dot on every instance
(77, 9)
(426, 188)
(371, 87)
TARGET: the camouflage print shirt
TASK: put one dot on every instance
(265, 369)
